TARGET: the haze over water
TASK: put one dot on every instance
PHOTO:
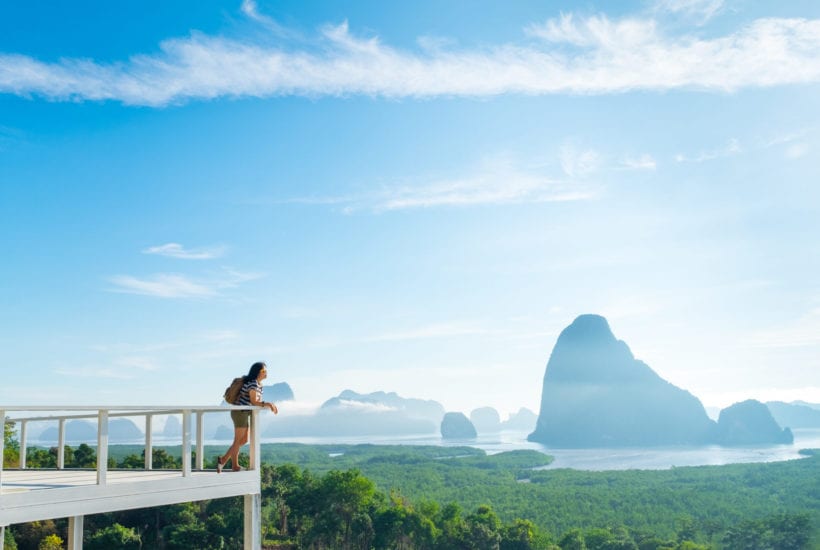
(640, 458)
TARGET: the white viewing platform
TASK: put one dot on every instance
(39, 494)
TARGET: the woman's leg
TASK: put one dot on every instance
(240, 438)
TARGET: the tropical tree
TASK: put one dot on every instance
(51, 542)
(572, 540)
(9, 542)
(11, 448)
(114, 536)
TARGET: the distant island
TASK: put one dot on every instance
(596, 394)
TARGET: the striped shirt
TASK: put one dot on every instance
(247, 388)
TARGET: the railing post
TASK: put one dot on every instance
(61, 444)
(200, 440)
(149, 442)
(255, 450)
(23, 425)
(2, 446)
(186, 443)
(102, 447)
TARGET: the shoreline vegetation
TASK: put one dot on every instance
(396, 496)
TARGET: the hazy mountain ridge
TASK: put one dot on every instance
(456, 425)
(354, 414)
(749, 423)
(795, 415)
(596, 394)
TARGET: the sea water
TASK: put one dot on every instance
(626, 458)
(629, 458)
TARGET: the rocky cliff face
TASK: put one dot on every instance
(279, 392)
(486, 420)
(455, 425)
(794, 415)
(750, 423)
(596, 394)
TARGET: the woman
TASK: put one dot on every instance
(250, 394)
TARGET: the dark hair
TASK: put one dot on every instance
(253, 374)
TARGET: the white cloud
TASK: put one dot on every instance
(802, 332)
(487, 188)
(136, 362)
(701, 9)
(731, 148)
(643, 162)
(577, 163)
(439, 330)
(95, 372)
(794, 144)
(363, 406)
(175, 250)
(226, 335)
(499, 180)
(797, 150)
(174, 285)
(164, 285)
(722, 399)
(250, 9)
(596, 32)
(594, 55)
(231, 278)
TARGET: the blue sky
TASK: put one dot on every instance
(414, 197)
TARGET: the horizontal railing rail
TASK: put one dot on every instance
(105, 412)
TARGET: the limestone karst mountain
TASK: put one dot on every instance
(522, 421)
(278, 392)
(173, 427)
(750, 423)
(456, 425)
(119, 430)
(795, 415)
(596, 394)
(75, 430)
(486, 420)
(354, 414)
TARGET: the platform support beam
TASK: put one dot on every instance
(75, 533)
(253, 522)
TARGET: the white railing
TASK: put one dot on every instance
(104, 413)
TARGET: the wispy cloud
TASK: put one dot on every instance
(251, 9)
(164, 285)
(579, 163)
(496, 180)
(794, 144)
(796, 150)
(731, 148)
(136, 362)
(643, 162)
(175, 250)
(703, 10)
(487, 188)
(802, 332)
(436, 330)
(174, 285)
(577, 55)
(95, 372)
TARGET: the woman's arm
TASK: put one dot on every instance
(256, 400)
